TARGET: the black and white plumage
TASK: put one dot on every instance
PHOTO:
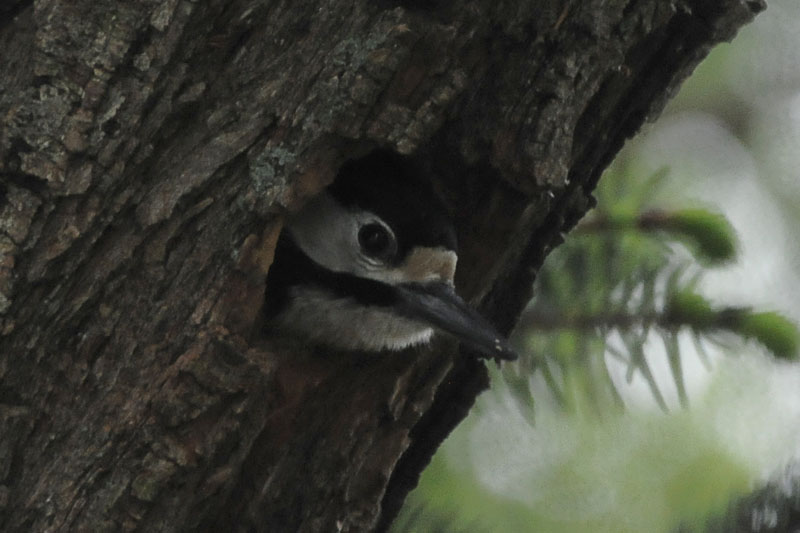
(369, 265)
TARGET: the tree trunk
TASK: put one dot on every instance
(148, 152)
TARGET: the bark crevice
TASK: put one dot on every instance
(147, 154)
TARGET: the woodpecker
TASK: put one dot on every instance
(368, 265)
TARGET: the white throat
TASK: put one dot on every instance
(342, 323)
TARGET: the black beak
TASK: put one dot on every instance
(438, 305)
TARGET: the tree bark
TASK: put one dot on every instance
(148, 153)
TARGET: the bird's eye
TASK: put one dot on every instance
(375, 240)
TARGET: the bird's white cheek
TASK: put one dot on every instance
(342, 323)
(324, 231)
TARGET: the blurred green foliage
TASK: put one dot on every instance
(559, 444)
(627, 276)
(625, 279)
(602, 476)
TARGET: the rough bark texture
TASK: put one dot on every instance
(148, 151)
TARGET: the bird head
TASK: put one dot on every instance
(369, 264)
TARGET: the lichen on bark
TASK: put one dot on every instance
(148, 153)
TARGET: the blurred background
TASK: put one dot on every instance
(658, 386)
